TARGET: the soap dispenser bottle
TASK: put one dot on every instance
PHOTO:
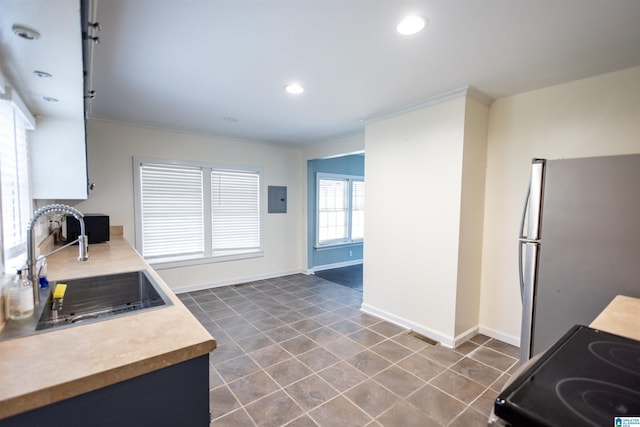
(20, 295)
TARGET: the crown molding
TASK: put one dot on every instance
(469, 91)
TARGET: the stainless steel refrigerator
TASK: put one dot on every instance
(579, 244)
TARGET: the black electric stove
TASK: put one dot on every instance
(587, 378)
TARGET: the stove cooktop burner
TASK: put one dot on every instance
(586, 378)
(594, 401)
(618, 355)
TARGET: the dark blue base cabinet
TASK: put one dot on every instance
(174, 396)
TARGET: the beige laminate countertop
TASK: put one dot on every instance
(45, 368)
(620, 317)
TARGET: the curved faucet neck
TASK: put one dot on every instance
(83, 241)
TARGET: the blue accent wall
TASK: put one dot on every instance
(346, 165)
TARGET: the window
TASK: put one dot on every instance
(357, 210)
(340, 209)
(14, 183)
(189, 212)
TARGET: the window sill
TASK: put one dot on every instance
(337, 245)
(163, 265)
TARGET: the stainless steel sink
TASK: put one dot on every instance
(91, 299)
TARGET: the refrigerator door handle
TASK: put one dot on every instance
(522, 239)
(528, 251)
(525, 209)
(528, 294)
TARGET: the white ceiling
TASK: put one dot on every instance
(187, 64)
(58, 51)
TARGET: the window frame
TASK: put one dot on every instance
(23, 122)
(208, 255)
(348, 240)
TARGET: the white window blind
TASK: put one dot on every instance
(14, 184)
(332, 209)
(357, 210)
(188, 212)
(171, 211)
(235, 210)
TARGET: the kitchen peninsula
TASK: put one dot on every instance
(128, 370)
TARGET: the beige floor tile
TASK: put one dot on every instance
(324, 335)
(296, 351)
(502, 347)
(369, 363)
(477, 371)
(318, 359)
(399, 381)
(421, 367)
(253, 387)
(238, 418)
(270, 355)
(470, 418)
(484, 403)
(221, 402)
(366, 337)
(406, 415)
(436, 404)
(298, 345)
(311, 392)
(288, 372)
(371, 397)
(342, 376)
(387, 329)
(391, 350)
(458, 386)
(439, 354)
(339, 412)
(303, 421)
(493, 358)
(237, 368)
(274, 410)
(344, 347)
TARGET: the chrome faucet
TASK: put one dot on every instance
(83, 242)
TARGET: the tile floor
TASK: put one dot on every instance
(297, 351)
(350, 276)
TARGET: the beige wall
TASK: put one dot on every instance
(591, 117)
(596, 116)
(471, 219)
(413, 171)
(110, 150)
(349, 144)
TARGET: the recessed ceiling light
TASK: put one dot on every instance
(50, 99)
(42, 74)
(25, 33)
(411, 25)
(294, 88)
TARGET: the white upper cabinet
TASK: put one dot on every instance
(58, 159)
(41, 57)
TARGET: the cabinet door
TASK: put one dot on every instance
(59, 159)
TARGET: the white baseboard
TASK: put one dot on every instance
(408, 324)
(509, 339)
(445, 340)
(234, 281)
(334, 265)
(469, 333)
